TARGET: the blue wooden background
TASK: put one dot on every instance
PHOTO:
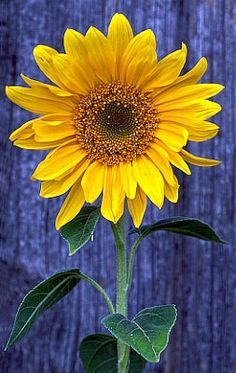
(197, 276)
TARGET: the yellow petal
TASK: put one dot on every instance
(39, 100)
(173, 136)
(190, 92)
(92, 181)
(24, 137)
(71, 206)
(167, 69)
(55, 90)
(198, 110)
(140, 67)
(74, 44)
(23, 132)
(58, 117)
(32, 144)
(193, 75)
(106, 207)
(137, 207)
(198, 161)
(119, 34)
(67, 142)
(101, 54)
(43, 57)
(195, 109)
(78, 77)
(128, 180)
(172, 191)
(150, 179)
(59, 162)
(188, 123)
(52, 122)
(48, 132)
(197, 130)
(201, 134)
(161, 162)
(118, 194)
(137, 44)
(54, 188)
(176, 159)
(112, 207)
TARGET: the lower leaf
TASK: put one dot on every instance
(98, 353)
(148, 333)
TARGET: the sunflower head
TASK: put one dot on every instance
(116, 120)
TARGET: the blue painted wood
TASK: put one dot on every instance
(197, 276)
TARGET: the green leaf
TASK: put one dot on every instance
(98, 353)
(182, 225)
(148, 333)
(39, 299)
(79, 230)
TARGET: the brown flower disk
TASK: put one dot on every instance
(115, 122)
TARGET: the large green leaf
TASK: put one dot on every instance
(98, 353)
(180, 224)
(39, 299)
(79, 230)
(148, 333)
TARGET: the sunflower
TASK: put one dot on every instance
(116, 120)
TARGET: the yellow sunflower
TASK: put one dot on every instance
(116, 118)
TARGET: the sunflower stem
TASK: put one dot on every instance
(119, 232)
(131, 262)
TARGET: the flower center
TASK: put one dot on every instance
(115, 123)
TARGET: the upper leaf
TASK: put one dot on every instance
(39, 299)
(180, 224)
(98, 353)
(79, 230)
(148, 333)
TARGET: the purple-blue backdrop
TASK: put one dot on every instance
(197, 276)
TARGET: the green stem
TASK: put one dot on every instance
(100, 289)
(120, 239)
(121, 294)
(131, 262)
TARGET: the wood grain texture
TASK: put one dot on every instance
(197, 276)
